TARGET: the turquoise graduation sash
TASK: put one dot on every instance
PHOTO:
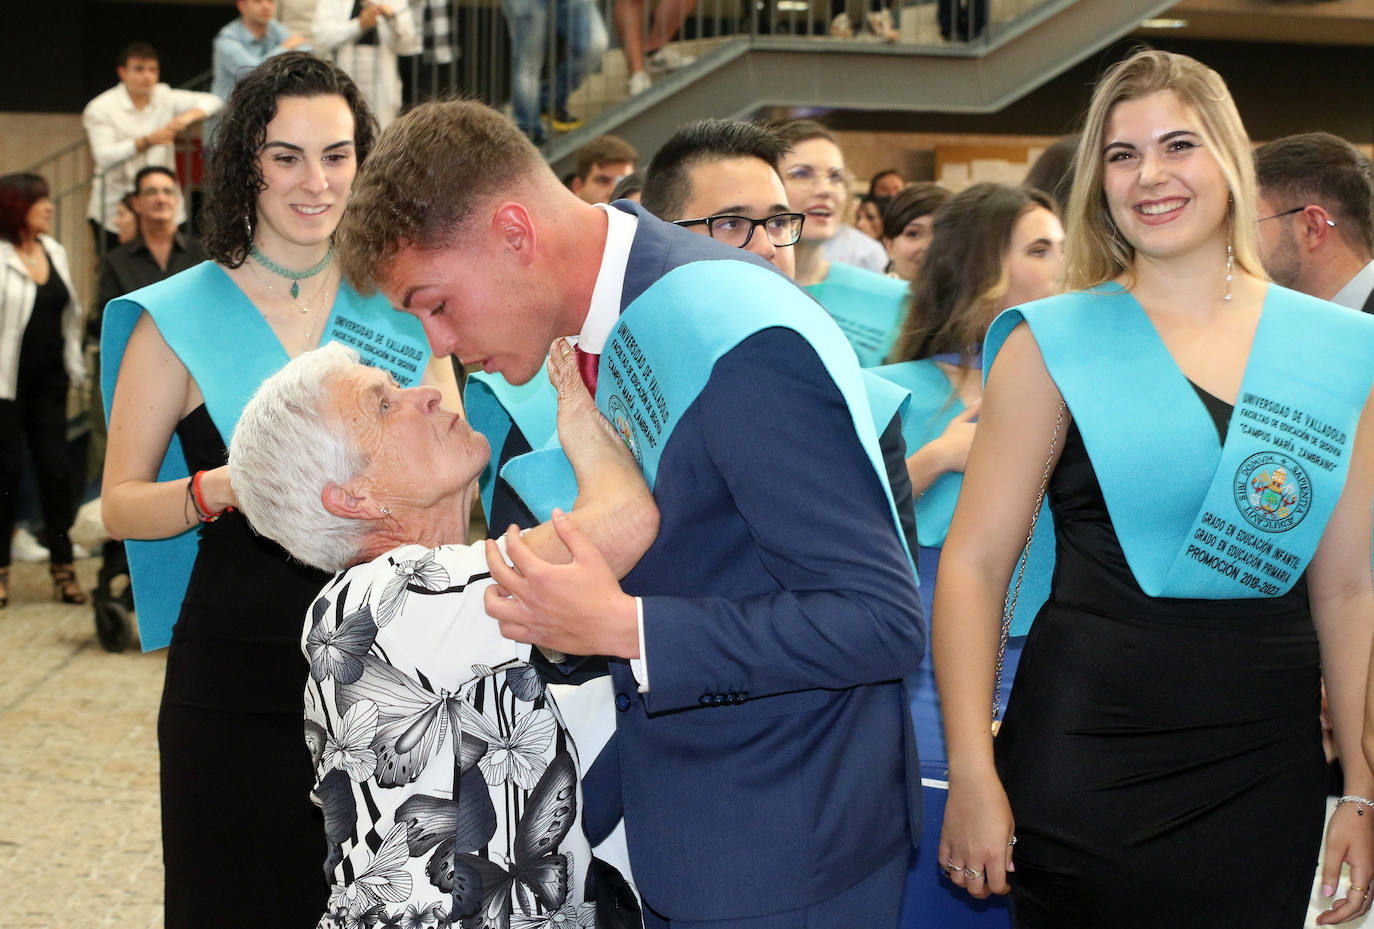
(543, 478)
(198, 313)
(495, 406)
(934, 403)
(649, 366)
(868, 308)
(1196, 520)
(656, 362)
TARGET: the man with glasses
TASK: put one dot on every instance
(1317, 217)
(719, 177)
(868, 306)
(761, 749)
(159, 250)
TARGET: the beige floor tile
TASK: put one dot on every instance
(79, 829)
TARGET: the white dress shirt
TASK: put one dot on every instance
(113, 124)
(849, 246)
(1357, 290)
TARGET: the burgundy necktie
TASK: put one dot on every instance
(586, 363)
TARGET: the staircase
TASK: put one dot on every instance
(1027, 43)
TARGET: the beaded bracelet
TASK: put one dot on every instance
(1362, 801)
(202, 510)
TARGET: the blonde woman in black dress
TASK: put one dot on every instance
(1160, 763)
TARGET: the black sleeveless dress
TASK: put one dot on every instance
(241, 840)
(1162, 756)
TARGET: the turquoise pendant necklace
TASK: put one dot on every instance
(295, 277)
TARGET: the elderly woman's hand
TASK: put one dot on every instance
(576, 607)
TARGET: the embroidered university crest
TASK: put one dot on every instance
(620, 418)
(1273, 491)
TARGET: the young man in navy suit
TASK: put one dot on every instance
(763, 756)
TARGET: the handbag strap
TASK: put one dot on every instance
(1009, 603)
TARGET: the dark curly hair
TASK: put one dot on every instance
(234, 177)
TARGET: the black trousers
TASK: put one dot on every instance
(38, 416)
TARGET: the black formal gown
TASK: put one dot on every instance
(1162, 756)
(242, 843)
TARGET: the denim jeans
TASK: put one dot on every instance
(579, 24)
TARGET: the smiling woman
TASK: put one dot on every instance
(1167, 698)
(866, 305)
(181, 360)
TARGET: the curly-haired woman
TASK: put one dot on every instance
(183, 356)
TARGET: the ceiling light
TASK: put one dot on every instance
(1163, 23)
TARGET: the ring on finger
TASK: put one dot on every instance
(1356, 890)
(1012, 842)
(949, 863)
(972, 874)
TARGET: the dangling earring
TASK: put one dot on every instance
(248, 227)
(1230, 257)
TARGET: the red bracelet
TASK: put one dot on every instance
(202, 510)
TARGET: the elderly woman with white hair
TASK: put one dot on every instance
(449, 782)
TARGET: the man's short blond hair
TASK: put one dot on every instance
(422, 181)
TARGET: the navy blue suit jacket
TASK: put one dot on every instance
(771, 764)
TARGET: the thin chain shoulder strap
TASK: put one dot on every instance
(1009, 603)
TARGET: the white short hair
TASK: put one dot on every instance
(286, 448)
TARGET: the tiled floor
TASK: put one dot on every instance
(79, 844)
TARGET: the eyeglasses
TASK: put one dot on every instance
(782, 229)
(1296, 209)
(809, 176)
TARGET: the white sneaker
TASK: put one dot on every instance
(26, 548)
(639, 82)
(668, 58)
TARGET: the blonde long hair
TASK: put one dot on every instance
(1095, 250)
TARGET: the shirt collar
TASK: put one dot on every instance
(610, 280)
(245, 35)
(1357, 290)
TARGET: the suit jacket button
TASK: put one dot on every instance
(622, 702)
(705, 700)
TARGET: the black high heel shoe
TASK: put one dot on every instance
(65, 587)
